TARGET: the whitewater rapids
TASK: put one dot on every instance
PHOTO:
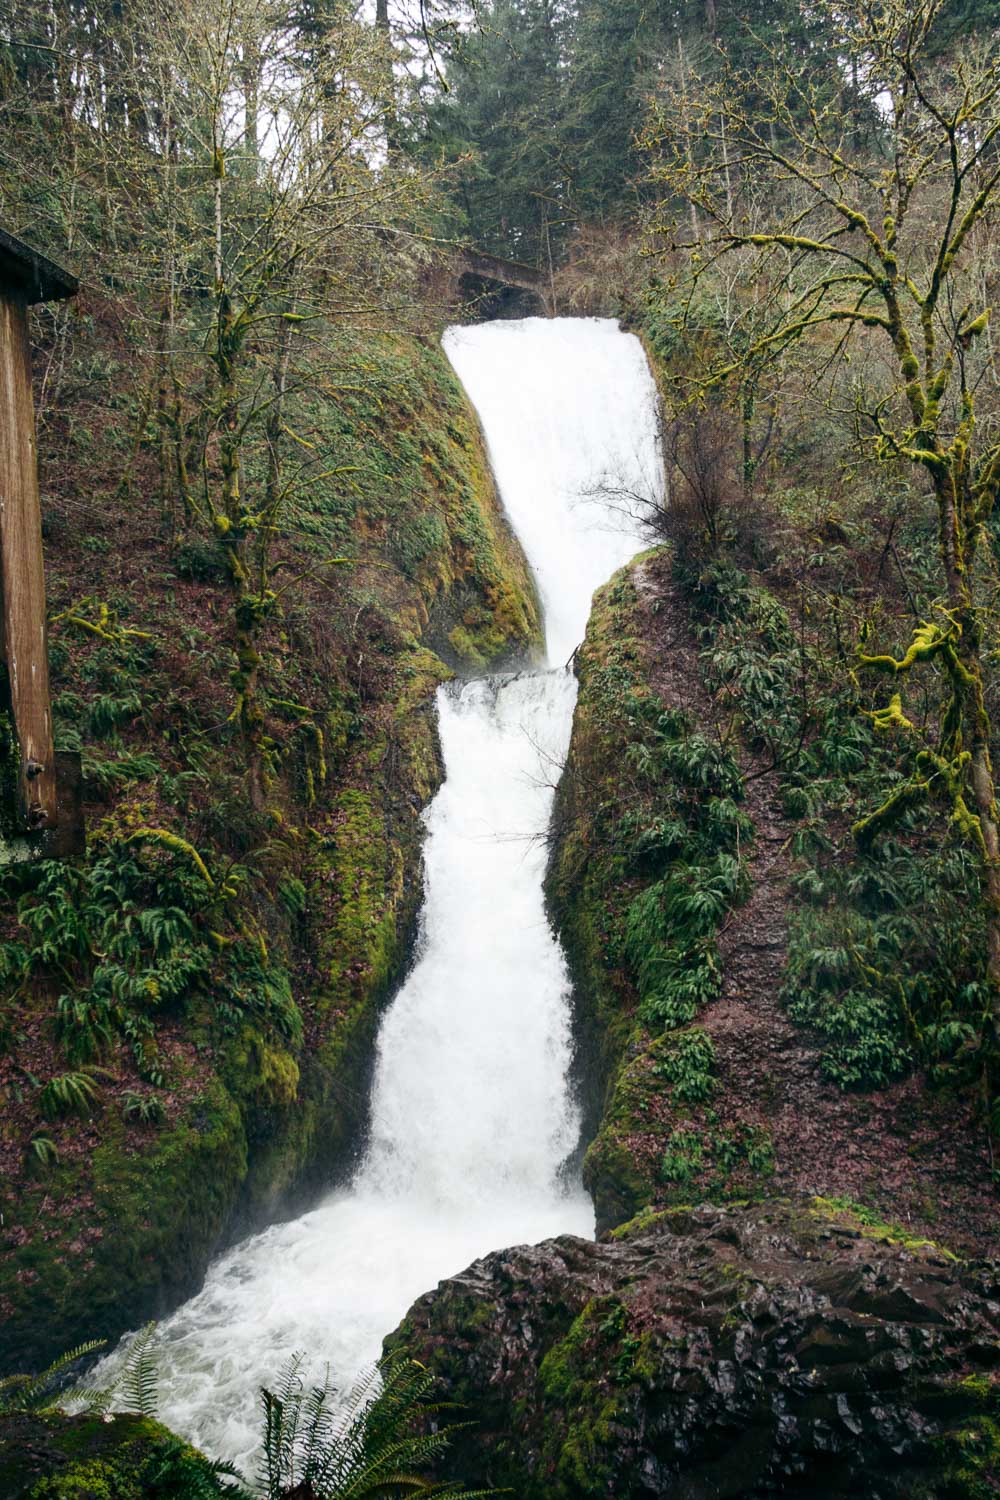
(473, 1117)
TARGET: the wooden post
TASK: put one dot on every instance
(25, 277)
(25, 647)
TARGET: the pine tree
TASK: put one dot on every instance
(502, 121)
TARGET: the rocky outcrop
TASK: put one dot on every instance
(714, 1352)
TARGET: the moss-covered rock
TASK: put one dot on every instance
(586, 883)
(696, 891)
(719, 1352)
(967, 1458)
(122, 1235)
(56, 1457)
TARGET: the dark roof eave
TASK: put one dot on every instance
(35, 277)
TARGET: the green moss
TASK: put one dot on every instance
(55, 1457)
(619, 1183)
(870, 1224)
(639, 886)
(126, 1252)
(421, 487)
(278, 1075)
(463, 643)
(968, 1458)
(587, 886)
(421, 672)
(660, 1140)
(587, 1381)
(89, 1481)
(645, 1219)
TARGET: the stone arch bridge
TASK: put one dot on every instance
(504, 288)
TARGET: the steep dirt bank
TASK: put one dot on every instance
(214, 973)
(712, 1092)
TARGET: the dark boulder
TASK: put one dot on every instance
(718, 1352)
(52, 1456)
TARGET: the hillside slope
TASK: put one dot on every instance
(674, 884)
(188, 1014)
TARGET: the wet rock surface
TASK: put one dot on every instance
(721, 1351)
(51, 1456)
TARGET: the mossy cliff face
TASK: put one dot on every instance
(719, 1352)
(612, 668)
(648, 862)
(215, 972)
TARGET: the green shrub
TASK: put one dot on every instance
(109, 774)
(43, 1151)
(143, 1109)
(684, 839)
(292, 895)
(887, 962)
(714, 1154)
(139, 931)
(108, 711)
(687, 1065)
(886, 951)
(677, 983)
(669, 938)
(683, 1157)
(201, 561)
(69, 1094)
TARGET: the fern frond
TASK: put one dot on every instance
(361, 1394)
(447, 1489)
(29, 1392)
(408, 1483)
(454, 1489)
(138, 1382)
(94, 1400)
(8, 1386)
(238, 1489)
(318, 1427)
(372, 1449)
(269, 1474)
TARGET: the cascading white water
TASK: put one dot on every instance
(568, 406)
(473, 1117)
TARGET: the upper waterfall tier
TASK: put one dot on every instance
(568, 406)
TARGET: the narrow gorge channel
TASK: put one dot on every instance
(473, 1117)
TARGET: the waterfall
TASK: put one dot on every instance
(473, 1116)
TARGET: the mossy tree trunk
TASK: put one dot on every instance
(235, 527)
